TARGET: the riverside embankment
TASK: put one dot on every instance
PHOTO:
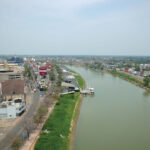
(116, 117)
(130, 78)
(56, 132)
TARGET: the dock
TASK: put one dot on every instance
(71, 92)
(89, 91)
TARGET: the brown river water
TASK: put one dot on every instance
(117, 117)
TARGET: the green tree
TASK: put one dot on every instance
(17, 143)
(52, 76)
(137, 68)
(146, 81)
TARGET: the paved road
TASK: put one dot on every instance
(6, 142)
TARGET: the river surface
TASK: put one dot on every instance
(117, 117)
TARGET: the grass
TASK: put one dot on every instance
(127, 77)
(58, 125)
(81, 81)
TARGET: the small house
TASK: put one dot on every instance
(68, 86)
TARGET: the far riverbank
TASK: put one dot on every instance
(124, 76)
(130, 79)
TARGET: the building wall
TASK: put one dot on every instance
(3, 112)
(7, 97)
(8, 112)
(3, 77)
(8, 76)
(11, 112)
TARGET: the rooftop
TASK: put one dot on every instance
(10, 87)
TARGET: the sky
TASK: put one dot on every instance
(75, 27)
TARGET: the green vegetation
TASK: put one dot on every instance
(27, 72)
(126, 76)
(17, 143)
(58, 125)
(41, 112)
(146, 81)
(52, 76)
(59, 75)
(137, 68)
(81, 81)
(95, 65)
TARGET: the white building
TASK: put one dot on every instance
(146, 73)
(12, 109)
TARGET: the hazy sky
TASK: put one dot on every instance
(90, 27)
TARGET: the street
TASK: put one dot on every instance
(6, 142)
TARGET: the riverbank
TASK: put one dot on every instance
(76, 113)
(130, 79)
(57, 131)
(81, 81)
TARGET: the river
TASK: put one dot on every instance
(117, 117)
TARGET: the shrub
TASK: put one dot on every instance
(17, 143)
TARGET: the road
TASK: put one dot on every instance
(6, 142)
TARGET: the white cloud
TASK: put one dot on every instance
(63, 8)
(77, 3)
(56, 9)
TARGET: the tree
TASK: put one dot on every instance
(17, 143)
(146, 81)
(52, 76)
(29, 126)
(137, 68)
(38, 117)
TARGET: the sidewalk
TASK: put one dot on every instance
(29, 144)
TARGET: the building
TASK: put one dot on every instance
(10, 71)
(1, 92)
(48, 65)
(12, 108)
(43, 71)
(8, 75)
(42, 84)
(69, 78)
(12, 89)
(68, 86)
(146, 73)
(17, 60)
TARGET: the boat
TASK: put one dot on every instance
(91, 90)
